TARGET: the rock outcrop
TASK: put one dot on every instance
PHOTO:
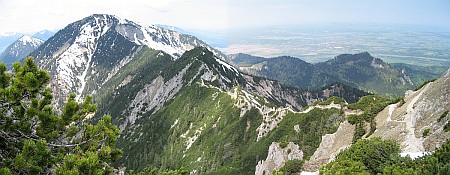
(421, 111)
(277, 157)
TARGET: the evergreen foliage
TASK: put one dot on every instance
(230, 145)
(292, 167)
(35, 138)
(376, 156)
(357, 70)
(333, 99)
(371, 105)
(443, 115)
(447, 126)
(426, 132)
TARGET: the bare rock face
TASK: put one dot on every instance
(405, 123)
(421, 111)
(330, 146)
(277, 157)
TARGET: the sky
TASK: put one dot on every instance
(36, 15)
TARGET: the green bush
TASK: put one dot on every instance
(283, 144)
(292, 166)
(424, 83)
(344, 167)
(371, 105)
(447, 126)
(376, 156)
(333, 99)
(443, 115)
(354, 119)
(38, 138)
(373, 153)
(426, 132)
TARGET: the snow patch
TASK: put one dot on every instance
(74, 62)
(30, 40)
(154, 37)
(192, 139)
(174, 124)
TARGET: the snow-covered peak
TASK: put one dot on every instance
(30, 40)
(20, 49)
(155, 37)
(109, 41)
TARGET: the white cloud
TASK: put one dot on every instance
(33, 15)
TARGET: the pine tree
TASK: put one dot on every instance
(37, 139)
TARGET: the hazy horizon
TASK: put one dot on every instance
(224, 15)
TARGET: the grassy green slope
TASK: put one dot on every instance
(200, 128)
(227, 143)
(362, 71)
(145, 67)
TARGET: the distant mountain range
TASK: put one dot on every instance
(20, 49)
(8, 38)
(358, 70)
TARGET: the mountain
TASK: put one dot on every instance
(8, 38)
(293, 72)
(369, 73)
(174, 28)
(177, 101)
(87, 53)
(361, 70)
(180, 104)
(20, 49)
(420, 73)
(242, 59)
(419, 122)
(203, 114)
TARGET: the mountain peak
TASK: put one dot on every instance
(102, 42)
(355, 57)
(20, 49)
(365, 54)
(102, 16)
(363, 58)
(29, 39)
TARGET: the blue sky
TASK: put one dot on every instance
(266, 12)
(34, 15)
